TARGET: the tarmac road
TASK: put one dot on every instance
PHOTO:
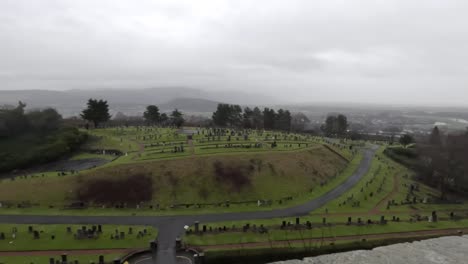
(169, 227)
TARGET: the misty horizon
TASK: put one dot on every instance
(395, 53)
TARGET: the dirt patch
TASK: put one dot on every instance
(237, 176)
(131, 190)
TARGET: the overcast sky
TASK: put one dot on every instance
(303, 51)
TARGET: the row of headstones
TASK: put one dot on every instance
(26, 176)
(284, 225)
(371, 194)
(64, 260)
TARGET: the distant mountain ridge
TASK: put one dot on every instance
(132, 101)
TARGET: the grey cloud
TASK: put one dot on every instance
(297, 50)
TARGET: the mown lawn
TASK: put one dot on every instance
(23, 240)
(318, 232)
(108, 258)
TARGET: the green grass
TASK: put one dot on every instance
(60, 181)
(65, 241)
(84, 155)
(279, 175)
(318, 232)
(108, 258)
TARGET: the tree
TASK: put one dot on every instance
(257, 118)
(269, 118)
(342, 125)
(152, 115)
(97, 111)
(177, 118)
(13, 121)
(247, 121)
(406, 139)
(282, 120)
(45, 120)
(435, 137)
(228, 115)
(335, 125)
(221, 115)
(299, 122)
(163, 119)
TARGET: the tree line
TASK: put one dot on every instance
(34, 137)
(97, 112)
(444, 161)
(228, 115)
(15, 121)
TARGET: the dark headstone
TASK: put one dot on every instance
(434, 216)
(382, 220)
(64, 258)
(51, 261)
(101, 259)
(178, 243)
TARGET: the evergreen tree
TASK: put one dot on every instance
(97, 111)
(177, 118)
(152, 115)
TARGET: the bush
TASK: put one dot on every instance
(45, 149)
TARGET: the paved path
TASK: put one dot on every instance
(169, 227)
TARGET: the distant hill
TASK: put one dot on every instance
(132, 101)
(190, 105)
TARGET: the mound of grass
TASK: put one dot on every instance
(198, 179)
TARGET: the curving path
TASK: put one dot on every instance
(169, 227)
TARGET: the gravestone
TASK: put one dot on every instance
(434, 216)
(64, 258)
(382, 220)
(178, 243)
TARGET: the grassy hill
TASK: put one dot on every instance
(210, 179)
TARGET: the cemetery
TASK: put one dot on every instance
(249, 170)
(22, 237)
(386, 200)
(58, 259)
(161, 172)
